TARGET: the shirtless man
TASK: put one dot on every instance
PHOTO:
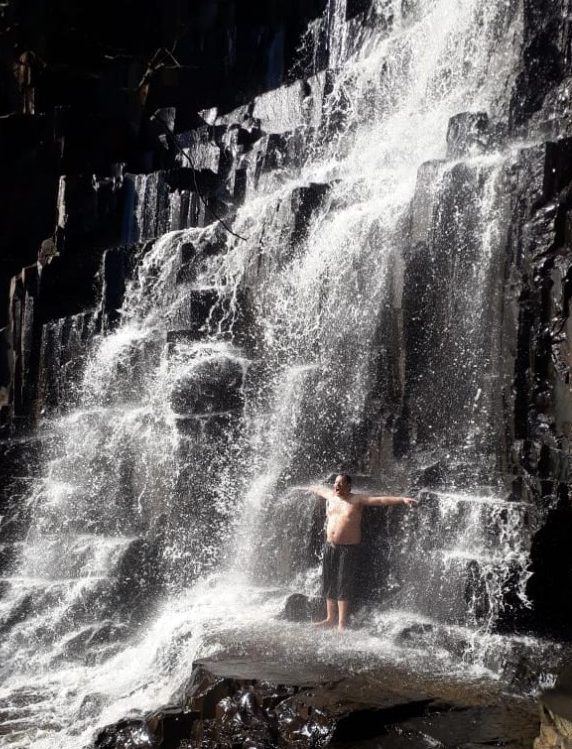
(343, 538)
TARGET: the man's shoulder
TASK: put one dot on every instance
(357, 499)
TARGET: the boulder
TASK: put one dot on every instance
(301, 608)
(211, 385)
(166, 728)
(172, 725)
(467, 134)
(126, 734)
(256, 702)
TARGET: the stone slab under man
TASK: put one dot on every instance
(342, 549)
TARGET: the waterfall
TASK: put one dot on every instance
(336, 20)
(170, 522)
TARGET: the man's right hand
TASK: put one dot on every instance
(410, 502)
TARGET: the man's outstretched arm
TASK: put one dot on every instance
(382, 501)
(322, 491)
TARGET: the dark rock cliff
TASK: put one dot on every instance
(79, 86)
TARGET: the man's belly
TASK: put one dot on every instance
(340, 532)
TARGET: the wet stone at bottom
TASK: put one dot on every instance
(231, 703)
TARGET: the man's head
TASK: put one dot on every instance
(343, 485)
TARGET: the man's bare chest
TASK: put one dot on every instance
(339, 509)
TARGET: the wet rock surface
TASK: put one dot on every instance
(229, 703)
(301, 608)
(212, 385)
(556, 713)
(75, 108)
(18, 467)
(467, 133)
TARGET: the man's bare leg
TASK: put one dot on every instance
(343, 607)
(331, 615)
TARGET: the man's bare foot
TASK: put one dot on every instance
(342, 626)
(325, 624)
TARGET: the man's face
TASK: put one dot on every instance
(341, 486)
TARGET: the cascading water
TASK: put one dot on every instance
(168, 524)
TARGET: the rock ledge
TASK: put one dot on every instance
(233, 703)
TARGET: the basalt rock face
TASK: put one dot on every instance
(18, 464)
(534, 401)
(545, 63)
(103, 224)
(540, 455)
(79, 91)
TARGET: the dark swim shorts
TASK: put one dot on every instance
(340, 567)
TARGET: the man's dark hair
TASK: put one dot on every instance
(346, 477)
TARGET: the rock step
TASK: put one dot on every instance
(235, 702)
